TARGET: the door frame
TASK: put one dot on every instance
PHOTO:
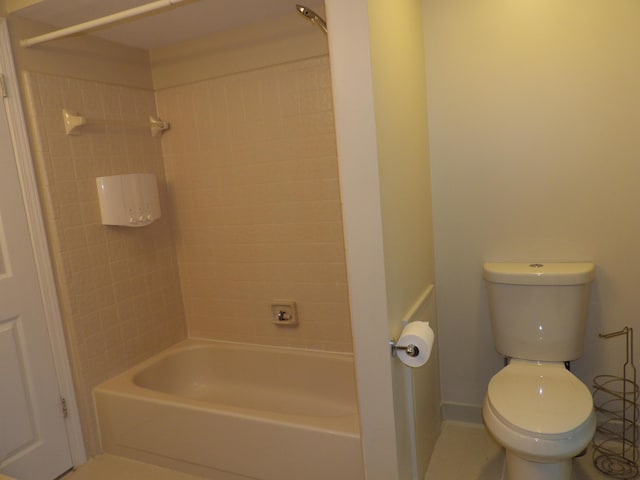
(39, 244)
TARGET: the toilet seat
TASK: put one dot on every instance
(538, 399)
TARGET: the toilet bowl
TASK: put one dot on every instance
(542, 415)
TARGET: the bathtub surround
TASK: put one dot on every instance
(399, 285)
(118, 287)
(252, 171)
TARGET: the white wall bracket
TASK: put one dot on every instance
(158, 126)
(72, 121)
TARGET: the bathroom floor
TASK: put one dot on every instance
(463, 452)
(467, 452)
(109, 467)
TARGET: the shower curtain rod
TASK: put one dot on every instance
(81, 27)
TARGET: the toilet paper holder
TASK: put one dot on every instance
(412, 350)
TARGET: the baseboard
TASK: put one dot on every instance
(462, 412)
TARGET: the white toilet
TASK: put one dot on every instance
(535, 408)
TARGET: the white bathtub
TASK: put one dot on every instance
(229, 411)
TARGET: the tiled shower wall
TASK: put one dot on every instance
(250, 196)
(118, 287)
(253, 182)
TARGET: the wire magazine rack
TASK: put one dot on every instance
(615, 443)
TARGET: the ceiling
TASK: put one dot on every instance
(186, 21)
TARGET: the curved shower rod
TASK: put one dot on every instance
(98, 22)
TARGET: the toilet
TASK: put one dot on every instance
(535, 407)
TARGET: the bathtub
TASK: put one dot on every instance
(230, 411)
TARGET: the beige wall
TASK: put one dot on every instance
(118, 287)
(360, 192)
(398, 72)
(397, 53)
(252, 171)
(363, 73)
(534, 148)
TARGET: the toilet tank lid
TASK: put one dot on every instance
(539, 273)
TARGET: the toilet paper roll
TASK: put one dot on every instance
(420, 335)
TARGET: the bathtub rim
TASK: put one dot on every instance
(123, 385)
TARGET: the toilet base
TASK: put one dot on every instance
(517, 468)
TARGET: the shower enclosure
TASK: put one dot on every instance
(212, 257)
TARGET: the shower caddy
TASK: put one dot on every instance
(615, 443)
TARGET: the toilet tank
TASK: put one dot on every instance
(539, 310)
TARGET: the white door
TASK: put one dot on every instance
(33, 437)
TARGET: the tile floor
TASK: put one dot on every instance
(463, 452)
(467, 452)
(109, 467)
